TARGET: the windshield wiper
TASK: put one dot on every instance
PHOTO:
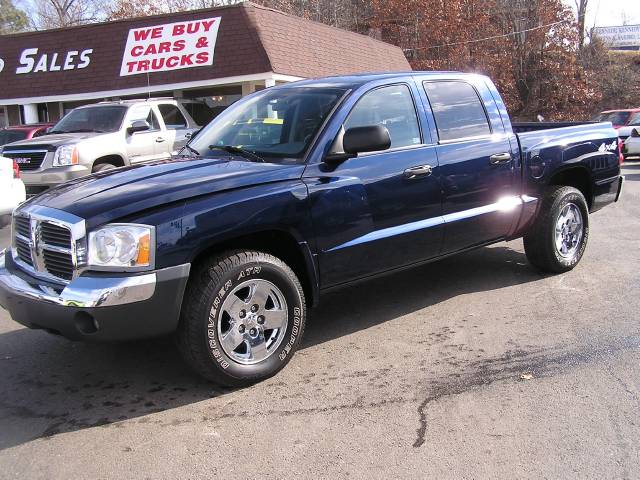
(239, 151)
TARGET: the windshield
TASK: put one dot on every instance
(634, 120)
(275, 124)
(101, 119)
(617, 118)
(8, 136)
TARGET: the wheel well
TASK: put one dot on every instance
(116, 160)
(577, 178)
(274, 242)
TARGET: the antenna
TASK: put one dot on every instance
(148, 87)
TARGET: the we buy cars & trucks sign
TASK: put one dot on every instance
(172, 46)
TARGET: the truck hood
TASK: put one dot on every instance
(103, 197)
(54, 140)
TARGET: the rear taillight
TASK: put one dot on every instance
(16, 170)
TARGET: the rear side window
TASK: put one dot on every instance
(172, 117)
(457, 109)
(392, 107)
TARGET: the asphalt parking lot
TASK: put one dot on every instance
(473, 367)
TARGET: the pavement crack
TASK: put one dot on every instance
(542, 363)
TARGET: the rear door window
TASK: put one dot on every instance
(173, 118)
(457, 109)
(391, 107)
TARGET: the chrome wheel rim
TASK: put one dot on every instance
(253, 321)
(569, 230)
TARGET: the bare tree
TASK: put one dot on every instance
(581, 9)
(65, 13)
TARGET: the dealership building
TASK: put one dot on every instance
(216, 55)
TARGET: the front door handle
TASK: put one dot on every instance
(160, 140)
(499, 158)
(418, 171)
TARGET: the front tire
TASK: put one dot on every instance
(103, 167)
(243, 317)
(558, 237)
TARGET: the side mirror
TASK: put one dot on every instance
(366, 139)
(371, 138)
(635, 132)
(138, 126)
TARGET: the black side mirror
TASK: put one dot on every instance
(371, 138)
(138, 126)
(366, 139)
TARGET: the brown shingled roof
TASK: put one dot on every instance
(304, 48)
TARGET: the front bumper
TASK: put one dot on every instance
(51, 177)
(96, 307)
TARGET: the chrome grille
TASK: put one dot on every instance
(58, 263)
(46, 245)
(52, 234)
(23, 250)
(23, 227)
(26, 159)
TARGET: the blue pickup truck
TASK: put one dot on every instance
(291, 192)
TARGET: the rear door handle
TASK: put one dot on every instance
(160, 140)
(418, 171)
(499, 158)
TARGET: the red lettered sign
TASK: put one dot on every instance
(171, 46)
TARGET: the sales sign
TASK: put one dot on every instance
(172, 46)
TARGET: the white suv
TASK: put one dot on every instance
(100, 137)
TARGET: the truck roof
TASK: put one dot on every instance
(357, 80)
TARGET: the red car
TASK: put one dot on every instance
(619, 118)
(22, 132)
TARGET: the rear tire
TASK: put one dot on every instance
(559, 236)
(226, 341)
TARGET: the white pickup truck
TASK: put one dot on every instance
(100, 137)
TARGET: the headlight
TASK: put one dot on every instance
(122, 247)
(65, 155)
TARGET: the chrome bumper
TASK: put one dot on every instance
(89, 292)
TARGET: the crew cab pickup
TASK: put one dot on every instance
(294, 191)
(102, 136)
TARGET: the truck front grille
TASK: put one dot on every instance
(23, 227)
(58, 264)
(26, 159)
(46, 247)
(23, 250)
(52, 234)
